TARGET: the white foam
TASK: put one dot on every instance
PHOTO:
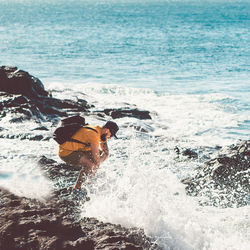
(141, 190)
(203, 119)
(19, 170)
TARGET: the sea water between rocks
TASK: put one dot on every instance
(187, 62)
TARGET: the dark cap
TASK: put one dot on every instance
(113, 128)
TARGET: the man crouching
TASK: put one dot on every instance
(87, 149)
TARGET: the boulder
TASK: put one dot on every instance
(189, 153)
(20, 107)
(16, 81)
(24, 96)
(120, 113)
(224, 180)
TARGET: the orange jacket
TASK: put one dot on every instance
(87, 136)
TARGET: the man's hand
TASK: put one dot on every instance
(105, 152)
(105, 148)
(99, 156)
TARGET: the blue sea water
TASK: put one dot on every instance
(192, 55)
(189, 46)
(176, 46)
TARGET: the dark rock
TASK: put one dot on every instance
(16, 100)
(65, 104)
(45, 161)
(17, 105)
(49, 110)
(25, 95)
(50, 165)
(81, 243)
(21, 107)
(177, 150)
(15, 81)
(26, 136)
(100, 115)
(30, 224)
(120, 113)
(53, 243)
(189, 153)
(25, 98)
(72, 230)
(186, 152)
(33, 138)
(41, 128)
(224, 180)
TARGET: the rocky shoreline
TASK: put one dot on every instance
(31, 224)
(223, 181)
(24, 95)
(56, 223)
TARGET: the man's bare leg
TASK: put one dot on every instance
(88, 169)
(80, 178)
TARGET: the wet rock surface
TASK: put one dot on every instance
(56, 223)
(224, 180)
(30, 224)
(119, 113)
(189, 153)
(23, 98)
(16, 81)
(40, 109)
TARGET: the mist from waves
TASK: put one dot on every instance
(19, 170)
(139, 187)
(140, 184)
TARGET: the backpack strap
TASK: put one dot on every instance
(74, 140)
(85, 144)
(91, 129)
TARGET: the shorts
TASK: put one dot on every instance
(74, 158)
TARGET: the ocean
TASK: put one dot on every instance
(185, 61)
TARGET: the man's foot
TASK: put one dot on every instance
(77, 187)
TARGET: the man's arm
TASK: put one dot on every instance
(98, 156)
(105, 148)
(105, 152)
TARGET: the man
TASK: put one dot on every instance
(88, 149)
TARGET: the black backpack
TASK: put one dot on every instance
(68, 128)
